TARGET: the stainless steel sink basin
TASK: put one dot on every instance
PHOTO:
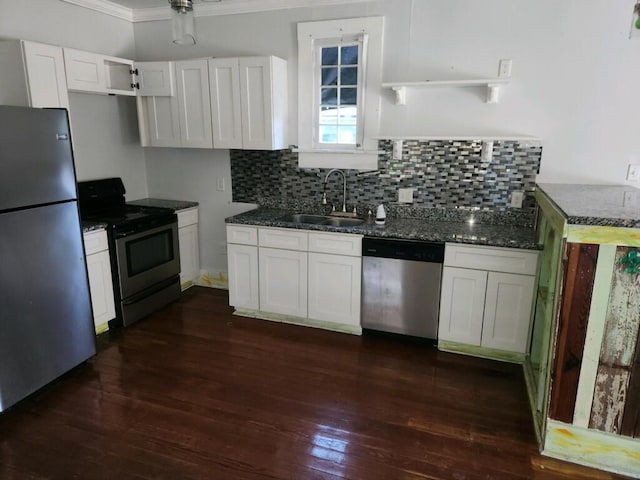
(322, 220)
(342, 222)
(304, 218)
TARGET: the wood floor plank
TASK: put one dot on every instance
(195, 392)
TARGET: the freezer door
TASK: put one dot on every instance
(46, 325)
(36, 163)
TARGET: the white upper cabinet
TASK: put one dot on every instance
(96, 73)
(178, 111)
(249, 102)
(44, 66)
(192, 82)
(224, 83)
(32, 74)
(155, 79)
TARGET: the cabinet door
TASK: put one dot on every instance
(192, 82)
(85, 71)
(45, 75)
(507, 311)
(283, 281)
(255, 95)
(189, 255)
(224, 85)
(462, 305)
(156, 79)
(243, 276)
(101, 287)
(334, 288)
(162, 121)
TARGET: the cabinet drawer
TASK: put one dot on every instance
(508, 260)
(187, 217)
(336, 243)
(95, 242)
(283, 238)
(242, 235)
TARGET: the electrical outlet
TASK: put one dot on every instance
(504, 68)
(220, 184)
(633, 173)
(405, 195)
(630, 199)
(516, 199)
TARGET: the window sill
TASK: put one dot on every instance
(346, 159)
(337, 150)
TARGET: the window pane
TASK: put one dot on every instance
(347, 135)
(348, 76)
(330, 76)
(328, 115)
(349, 55)
(330, 56)
(330, 96)
(328, 134)
(347, 116)
(348, 96)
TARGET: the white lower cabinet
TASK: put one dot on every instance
(100, 283)
(484, 308)
(334, 288)
(189, 247)
(462, 305)
(243, 276)
(313, 276)
(283, 281)
(507, 311)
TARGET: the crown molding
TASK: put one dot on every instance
(203, 8)
(105, 6)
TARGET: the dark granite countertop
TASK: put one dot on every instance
(175, 205)
(88, 226)
(602, 205)
(407, 228)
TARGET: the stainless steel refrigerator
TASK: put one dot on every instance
(46, 324)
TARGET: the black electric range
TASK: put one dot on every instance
(143, 248)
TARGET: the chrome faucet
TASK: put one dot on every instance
(344, 193)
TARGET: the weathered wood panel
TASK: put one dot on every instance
(618, 350)
(574, 314)
(631, 418)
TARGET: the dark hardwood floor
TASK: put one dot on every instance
(194, 392)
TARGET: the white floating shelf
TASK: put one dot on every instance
(464, 138)
(493, 85)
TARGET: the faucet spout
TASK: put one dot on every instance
(344, 187)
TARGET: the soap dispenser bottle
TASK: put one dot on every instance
(381, 215)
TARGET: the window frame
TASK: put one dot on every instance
(311, 37)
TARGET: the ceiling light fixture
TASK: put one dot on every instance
(183, 22)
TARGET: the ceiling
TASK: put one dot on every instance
(137, 4)
(150, 10)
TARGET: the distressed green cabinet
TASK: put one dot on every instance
(583, 371)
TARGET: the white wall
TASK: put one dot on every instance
(192, 174)
(574, 82)
(104, 128)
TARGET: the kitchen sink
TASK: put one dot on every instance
(342, 222)
(304, 218)
(322, 220)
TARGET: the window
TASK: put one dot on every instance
(339, 76)
(338, 97)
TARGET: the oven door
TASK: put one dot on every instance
(147, 258)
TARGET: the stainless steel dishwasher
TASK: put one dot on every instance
(401, 286)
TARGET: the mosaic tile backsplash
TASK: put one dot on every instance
(444, 174)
